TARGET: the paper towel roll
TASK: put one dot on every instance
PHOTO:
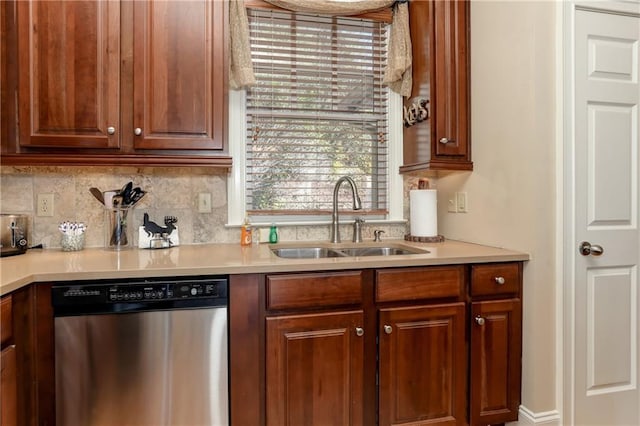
(423, 205)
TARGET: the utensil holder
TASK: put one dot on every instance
(117, 228)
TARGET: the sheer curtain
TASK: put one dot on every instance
(398, 70)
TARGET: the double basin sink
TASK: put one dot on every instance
(318, 252)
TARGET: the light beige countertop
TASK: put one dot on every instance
(98, 263)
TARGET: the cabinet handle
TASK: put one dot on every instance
(500, 280)
(111, 130)
(388, 329)
(137, 131)
(359, 331)
(479, 320)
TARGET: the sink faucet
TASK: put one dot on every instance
(357, 205)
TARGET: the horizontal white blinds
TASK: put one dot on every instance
(317, 112)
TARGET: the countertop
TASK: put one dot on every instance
(49, 265)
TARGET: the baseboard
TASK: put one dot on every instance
(527, 417)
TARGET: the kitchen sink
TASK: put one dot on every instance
(326, 252)
(380, 251)
(305, 252)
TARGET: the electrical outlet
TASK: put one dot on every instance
(452, 204)
(461, 198)
(204, 202)
(45, 205)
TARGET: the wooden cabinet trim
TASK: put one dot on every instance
(8, 387)
(405, 284)
(331, 289)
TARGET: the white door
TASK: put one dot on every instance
(602, 333)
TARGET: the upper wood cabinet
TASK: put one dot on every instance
(140, 82)
(440, 39)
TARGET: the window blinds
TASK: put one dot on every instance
(318, 112)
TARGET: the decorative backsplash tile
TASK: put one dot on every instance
(170, 191)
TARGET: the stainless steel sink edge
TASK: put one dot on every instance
(321, 251)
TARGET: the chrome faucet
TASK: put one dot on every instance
(357, 205)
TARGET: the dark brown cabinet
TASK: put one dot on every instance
(8, 370)
(422, 365)
(440, 42)
(142, 82)
(496, 343)
(315, 369)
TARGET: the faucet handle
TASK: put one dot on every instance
(376, 235)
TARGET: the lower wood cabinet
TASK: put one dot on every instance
(422, 365)
(413, 346)
(9, 387)
(496, 347)
(8, 370)
(314, 368)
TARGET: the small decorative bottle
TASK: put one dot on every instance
(273, 234)
(245, 233)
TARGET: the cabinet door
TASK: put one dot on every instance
(69, 53)
(314, 369)
(496, 350)
(8, 387)
(441, 76)
(179, 75)
(422, 365)
(450, 103)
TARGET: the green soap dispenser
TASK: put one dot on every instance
(273, 234)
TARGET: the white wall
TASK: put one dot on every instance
(511, 197)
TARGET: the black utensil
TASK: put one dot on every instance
(98, 194)
(126, 193)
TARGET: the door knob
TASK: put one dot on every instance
(586, 248)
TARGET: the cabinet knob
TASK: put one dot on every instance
(444, 140)
(499, 280)
(479, 320)
(388, 329)
(111, 130)
(359, 331)
(137, 131)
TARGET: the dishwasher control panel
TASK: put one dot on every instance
(128, 295)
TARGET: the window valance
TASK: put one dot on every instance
(397, 72)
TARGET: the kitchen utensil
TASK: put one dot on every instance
(125, 192)
(98, 194)
(108, 197)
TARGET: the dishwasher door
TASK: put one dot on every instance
(144, 368)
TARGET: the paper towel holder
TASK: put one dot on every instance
(415, 239)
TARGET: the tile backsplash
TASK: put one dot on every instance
(170, 191)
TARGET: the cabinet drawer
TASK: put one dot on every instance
(6, 323)
(394, 285)
(493, 279)
(314, 290)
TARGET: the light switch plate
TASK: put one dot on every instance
(461, 199)
(452, 204)
(204, 202)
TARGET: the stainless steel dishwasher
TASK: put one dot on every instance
(142, 352)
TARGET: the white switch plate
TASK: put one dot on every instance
(204, 202)
(45, 205)
(461, 198)
(452, 204)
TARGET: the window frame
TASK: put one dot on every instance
(236, 189)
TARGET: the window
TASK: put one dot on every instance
(318, 111)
